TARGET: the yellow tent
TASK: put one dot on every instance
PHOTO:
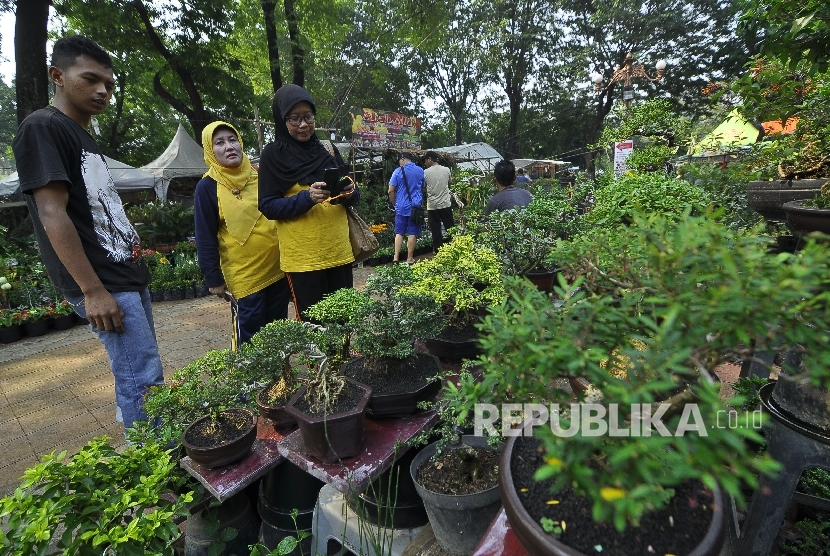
(733, 132)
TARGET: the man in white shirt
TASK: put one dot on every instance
(439, 210)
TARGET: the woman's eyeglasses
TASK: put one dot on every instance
(296, 120)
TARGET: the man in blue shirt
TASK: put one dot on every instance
(521, 177)
(404, 193)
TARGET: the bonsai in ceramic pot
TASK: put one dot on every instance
(700, 292)
(203, 389)
(276, 355)
(813, 215)
(465, 279)
(382, 323)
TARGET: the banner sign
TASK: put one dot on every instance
(621, 152)
(382, 129)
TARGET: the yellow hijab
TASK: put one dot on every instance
(237, 188)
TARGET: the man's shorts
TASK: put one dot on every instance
(403, 227)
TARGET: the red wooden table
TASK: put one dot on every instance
(382, 445)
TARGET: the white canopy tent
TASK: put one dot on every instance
(124, 176)
(479, 155)
(183, 158)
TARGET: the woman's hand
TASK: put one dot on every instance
(219, 291)
(318, 192)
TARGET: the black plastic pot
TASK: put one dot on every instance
(201, 290)
(451, 351)
(804, 403)
(235, 513)
(36, 328)
(189, 292)
(402, 404)
(63, 322)
(156, 295)
(458, 522)
(285, 488)
(543, 280)
(392, 501)
(9, 334)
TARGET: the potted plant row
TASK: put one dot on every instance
(652, 333)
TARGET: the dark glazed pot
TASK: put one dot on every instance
(537, 542)
(404, 404)
(803, 220)
(336, 436)
(543, 280)
(768, 197)
(451, 351)
(459, 522)
(804, 403)
(286, 488)
(228, 452)
(276, 413)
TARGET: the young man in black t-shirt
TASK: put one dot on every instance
(88, 246)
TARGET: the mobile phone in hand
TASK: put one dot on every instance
(335, 182)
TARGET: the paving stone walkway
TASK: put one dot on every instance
(57, 392)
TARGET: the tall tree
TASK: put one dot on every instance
(696, 36)
(30, 26)
(520, 42)
(450, 68)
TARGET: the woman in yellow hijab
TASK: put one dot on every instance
(237, 247)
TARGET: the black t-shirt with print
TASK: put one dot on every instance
(50, 146)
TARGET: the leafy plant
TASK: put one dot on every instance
(462, 277)
(384, 320)
(746, 393)
(107, 502)
(520, 245)
(822, 201)
(277, 354)
(645, 194)
(700, 293)
(815, 482)
(813, 538)
(287, 545)
(162, 222)
(650, 158)
(209, 384)
(726, 186)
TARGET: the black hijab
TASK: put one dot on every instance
(290, 161)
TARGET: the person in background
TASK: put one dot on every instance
(90, 249)
(238, 250)
(508, 197)
(315, 252)
(521, 177)
(439, 209)
(404, 198)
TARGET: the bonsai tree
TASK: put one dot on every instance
(700, 292)
(462, 277)
(383, 320)
(277, 354)
(518, 239)
(207, 385)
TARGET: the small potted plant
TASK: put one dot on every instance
(701, 293)
(382, 323)
(206, 404)
(277, 354)
(465, 279)
(63, 315)
(330, 408)
(813, 215)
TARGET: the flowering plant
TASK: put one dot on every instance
(62, 309)
(9, 317)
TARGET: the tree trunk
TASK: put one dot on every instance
(268, 7)
(604, 104)
(196, 113)
(297, 52)
(31, 76)
(514, 96)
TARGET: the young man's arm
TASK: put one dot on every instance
(102, 310)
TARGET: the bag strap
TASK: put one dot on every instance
(330, 148)
(406, 183)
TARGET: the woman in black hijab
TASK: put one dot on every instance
(315, 251)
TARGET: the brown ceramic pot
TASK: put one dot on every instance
(228, 452)
(537, 542)
(336, 436)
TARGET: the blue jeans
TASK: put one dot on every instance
(133, 354)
